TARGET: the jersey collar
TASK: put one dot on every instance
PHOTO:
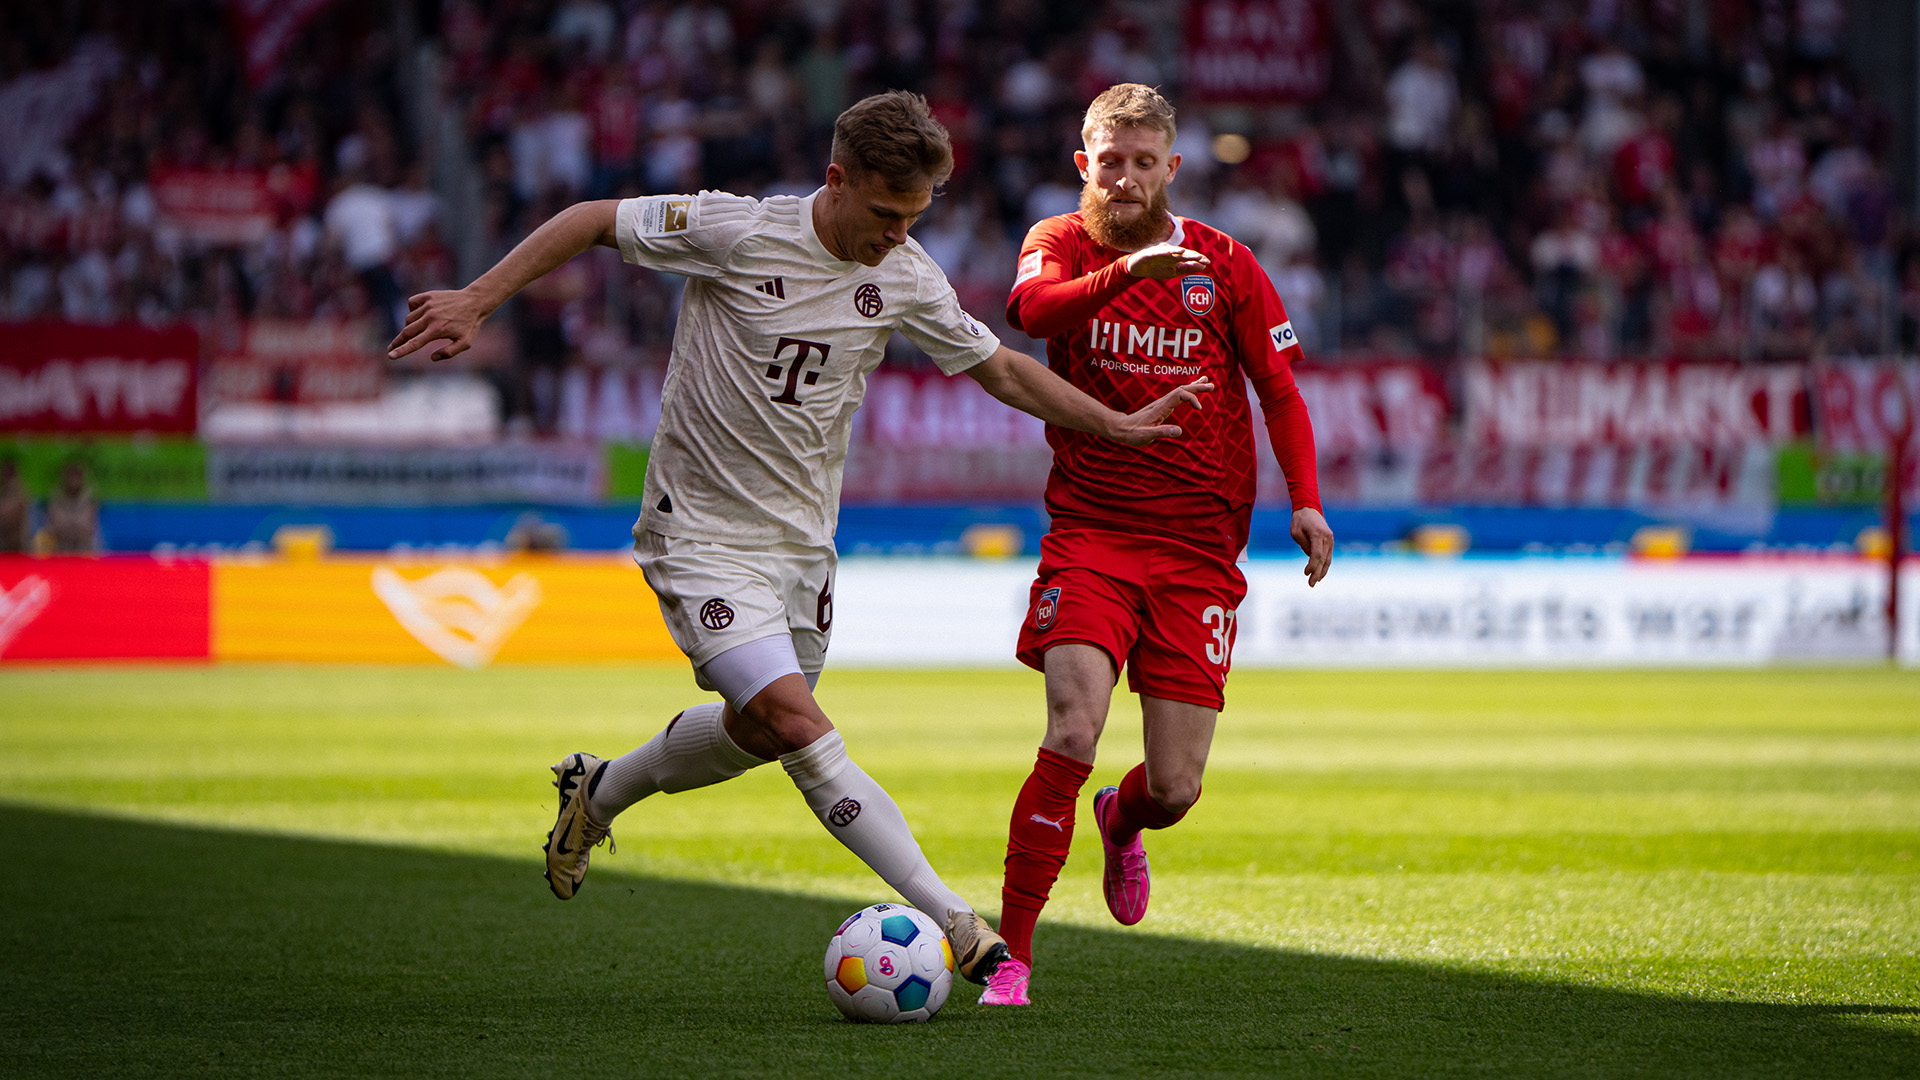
(811, 240)
(1179, 230)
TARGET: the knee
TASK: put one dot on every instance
(778, 727)
(1073, 729)
(1175, 794)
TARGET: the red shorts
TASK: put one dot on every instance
(1161, 609)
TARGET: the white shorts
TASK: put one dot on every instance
(716, 597)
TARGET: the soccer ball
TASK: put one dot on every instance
(889, 964)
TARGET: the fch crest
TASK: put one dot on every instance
(1197, 292)
(1046, 609)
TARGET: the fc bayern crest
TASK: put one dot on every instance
(1196, 291)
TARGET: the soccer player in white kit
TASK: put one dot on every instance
(789, 304)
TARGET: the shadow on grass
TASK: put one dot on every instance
(138, 949)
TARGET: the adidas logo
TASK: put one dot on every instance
(457, 613)
(775, 288)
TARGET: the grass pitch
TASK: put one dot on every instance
(334, 872)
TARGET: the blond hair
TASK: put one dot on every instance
(895, 137)
(1132, 105)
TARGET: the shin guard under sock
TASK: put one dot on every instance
(1038, 838)
(860, 814)
(693, 751)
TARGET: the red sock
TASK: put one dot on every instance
(1134, 809)
(1037, 841)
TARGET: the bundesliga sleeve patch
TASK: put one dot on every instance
(1282, 336)
(658, 217)
(1029, 266)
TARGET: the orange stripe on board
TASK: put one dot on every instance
(531, 609)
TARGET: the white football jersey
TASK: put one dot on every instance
(770, 359)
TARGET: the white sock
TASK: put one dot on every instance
(693, 751)
(860, 814)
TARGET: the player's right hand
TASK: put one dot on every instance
(452, 316)
(1163, 261)
(1143, 427)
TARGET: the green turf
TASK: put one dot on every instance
(332, 872)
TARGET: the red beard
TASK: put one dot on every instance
(1110, 230)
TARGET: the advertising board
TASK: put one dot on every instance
(469, 613)
(119, 608)
(1525, 612)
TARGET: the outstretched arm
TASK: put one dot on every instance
(1027, 385)
(454, 315)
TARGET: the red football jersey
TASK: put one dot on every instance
(1126, 341)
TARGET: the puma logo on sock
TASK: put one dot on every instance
(1044, 821)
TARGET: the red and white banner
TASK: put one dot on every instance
(1696, 477)
(1543, 403)
(305, 361)
(72, 378)
(267, 29)
(1257, 51)
(215, 206)
(1373, 406)
(1863, 406)
(113, 608)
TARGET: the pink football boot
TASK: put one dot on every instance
(1127, 881)
(1008, 984)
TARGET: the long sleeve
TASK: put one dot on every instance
(1268, 349)
(1048, 299)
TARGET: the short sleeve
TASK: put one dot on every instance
(942, 328)
(675, 233)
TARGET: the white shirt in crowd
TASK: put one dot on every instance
(360, 220)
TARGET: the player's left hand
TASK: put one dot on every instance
(1143, 427)
(1310, 531)
(452, 316)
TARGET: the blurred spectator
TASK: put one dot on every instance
(1421, 97)
(1268, 220)
(533, 534)
(16, 510)
(360, 223)
(1585, 179)
(73, 516)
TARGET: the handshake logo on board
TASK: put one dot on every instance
(457, 613)
(20, 605)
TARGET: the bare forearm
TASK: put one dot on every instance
(548, 247)
(1024, 383)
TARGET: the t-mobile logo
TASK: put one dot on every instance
(796, 373)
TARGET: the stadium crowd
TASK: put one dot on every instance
(1585, 178)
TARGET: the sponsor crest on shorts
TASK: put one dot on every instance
(1046, 609)
(716, 614)
(1197, 292)
(1282, 336)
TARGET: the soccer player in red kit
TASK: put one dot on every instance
(1138, 568)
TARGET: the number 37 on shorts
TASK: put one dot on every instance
(1218, 622)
